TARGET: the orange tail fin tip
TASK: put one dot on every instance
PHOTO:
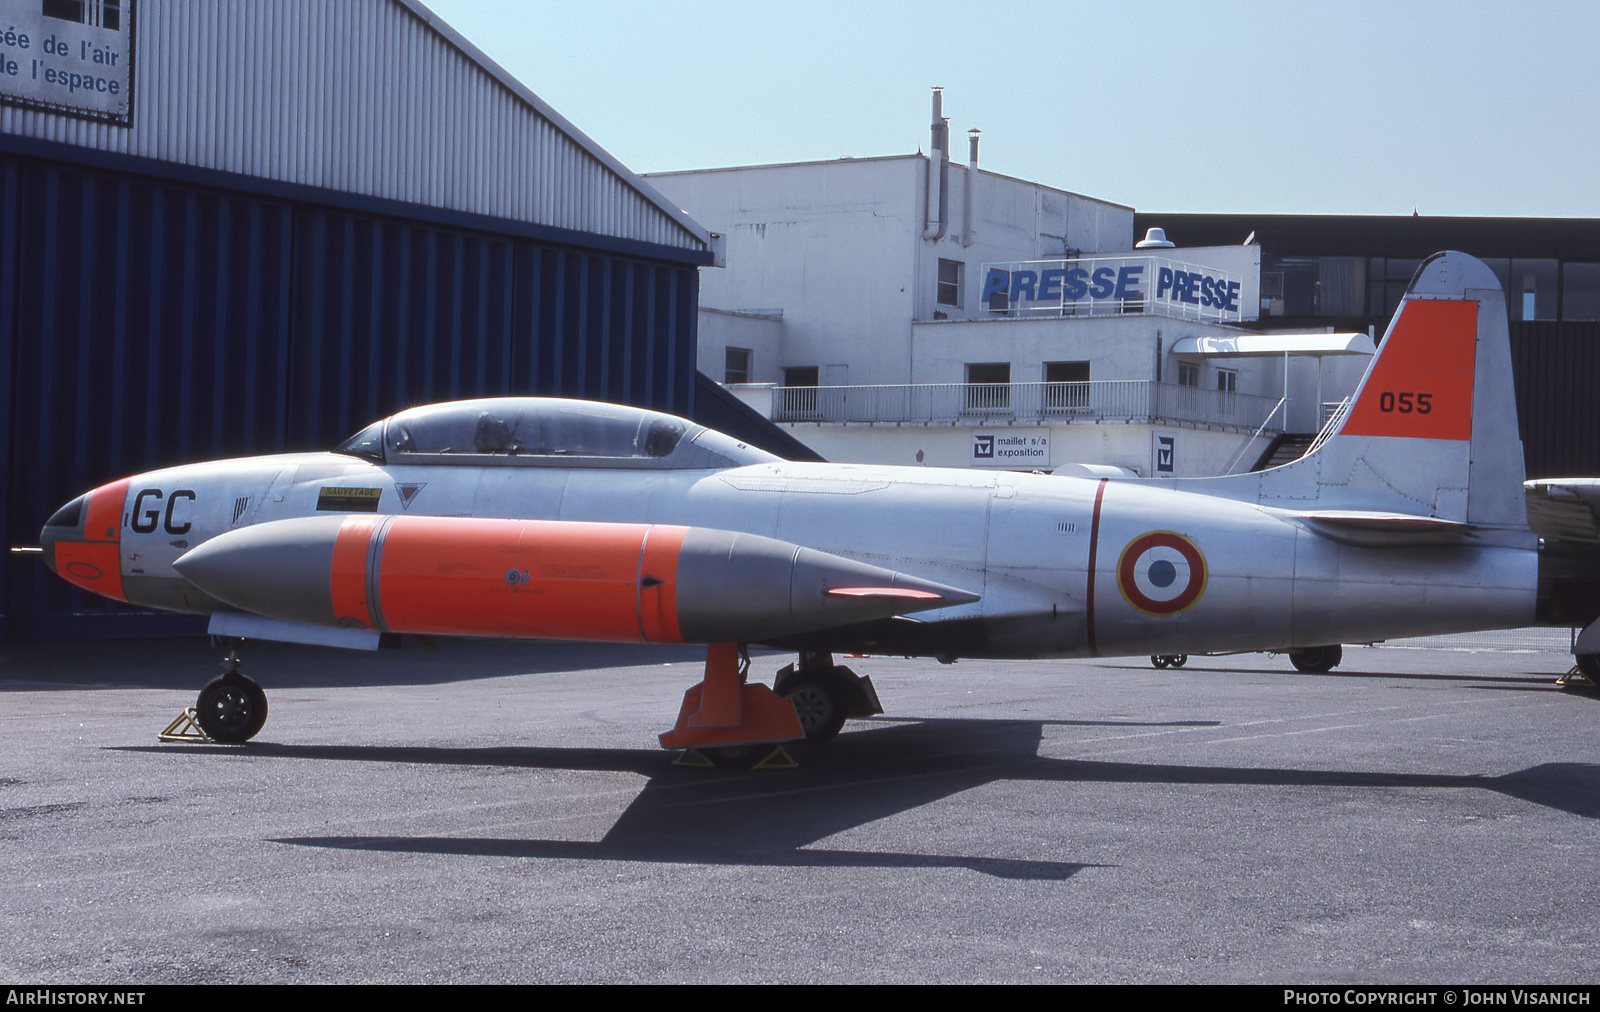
(1421, 385)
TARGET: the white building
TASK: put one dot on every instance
(907, 309)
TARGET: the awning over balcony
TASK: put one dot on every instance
(1273, 345)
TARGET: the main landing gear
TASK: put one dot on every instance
(825, 694)
(232, 707)
(730, 720)
(1316, 660)
(1308, 660)
(725, 716)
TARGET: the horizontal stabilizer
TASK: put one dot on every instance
(1377, 528)
(1564, 509)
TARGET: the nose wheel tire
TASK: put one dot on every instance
(231, 708)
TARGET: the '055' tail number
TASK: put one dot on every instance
(1405, 403)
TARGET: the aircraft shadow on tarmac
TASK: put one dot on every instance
(186, 664)
(1531, 681)
(696, 816)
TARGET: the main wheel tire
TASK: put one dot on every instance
(1316, 660)
(231, 708)
(1159, 660)
(1178, 660)
(819, 703)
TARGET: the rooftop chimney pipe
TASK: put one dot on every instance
(938, 171)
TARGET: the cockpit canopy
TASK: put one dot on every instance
(546, 431)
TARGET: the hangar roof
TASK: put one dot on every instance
(378, 98)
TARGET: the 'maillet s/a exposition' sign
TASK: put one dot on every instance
(1013, 448)
(69, 56)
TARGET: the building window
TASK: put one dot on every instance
(1580, 292)
(1271, 293)
(950, 282)
(800, 392)
(1066, 387)
(1188, 374)
(1313, 286)
(736, 365)
(1341, 286)
(1532, 292)
(1227, 386)
(98, 13)
(988, 388)
(1387, 281)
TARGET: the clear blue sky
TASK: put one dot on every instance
(1466, 107)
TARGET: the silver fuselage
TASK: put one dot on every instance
(1056, 560)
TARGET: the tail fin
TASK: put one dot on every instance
(1432, 430)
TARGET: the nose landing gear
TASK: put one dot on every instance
(232, 708)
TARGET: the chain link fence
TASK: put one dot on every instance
(1534, 639)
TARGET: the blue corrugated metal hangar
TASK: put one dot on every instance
(245, 228)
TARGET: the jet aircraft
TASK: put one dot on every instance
(548, 518)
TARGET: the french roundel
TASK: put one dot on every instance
(1161, 573)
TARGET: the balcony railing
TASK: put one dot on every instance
(1036, 403)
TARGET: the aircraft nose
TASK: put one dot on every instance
(66, 524)
(82, 540)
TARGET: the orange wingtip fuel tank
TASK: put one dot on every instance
(547, 579)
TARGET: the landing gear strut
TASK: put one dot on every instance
(725, 710)
(232, 708)
(731, 722)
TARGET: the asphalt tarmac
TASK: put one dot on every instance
(492, 812)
